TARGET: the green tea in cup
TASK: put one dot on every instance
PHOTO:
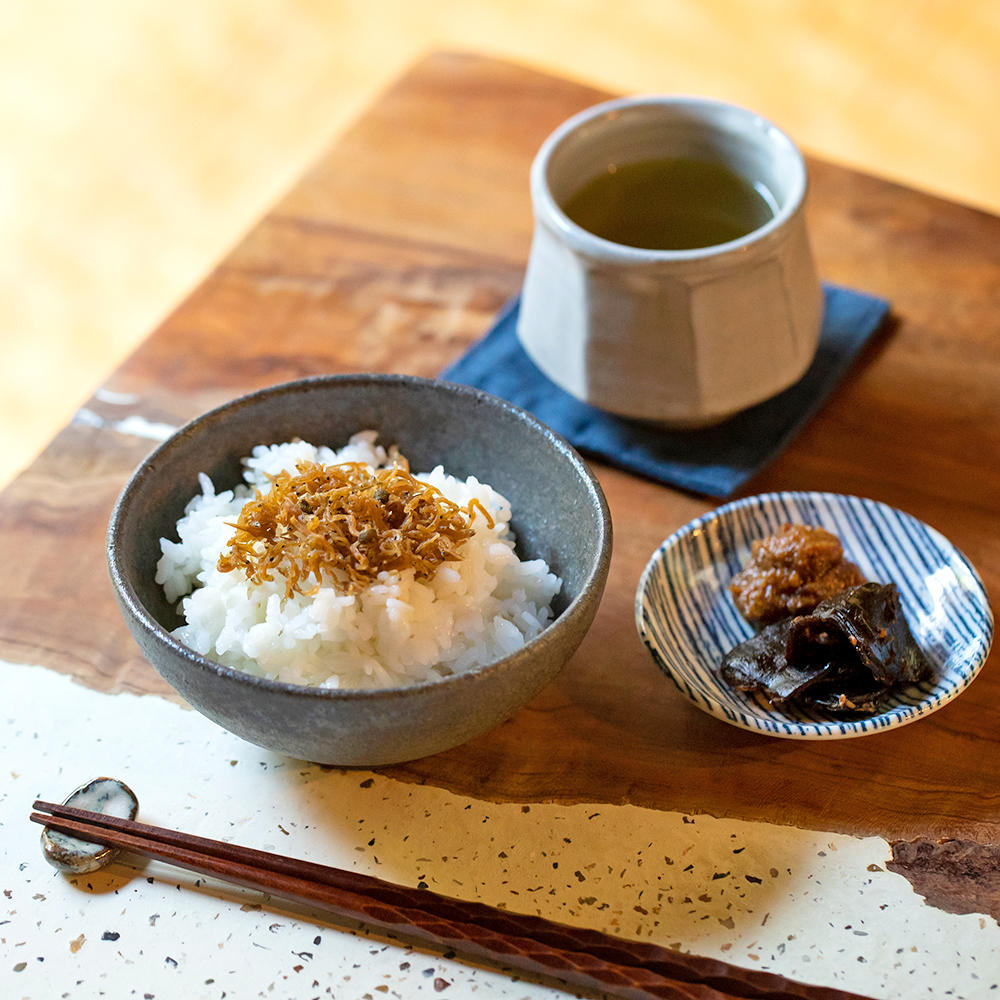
(673, 203)
(670, 277)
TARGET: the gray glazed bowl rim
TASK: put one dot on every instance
(596, 572)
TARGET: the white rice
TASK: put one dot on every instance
(399, 631)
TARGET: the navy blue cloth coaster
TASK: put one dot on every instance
(712, 461)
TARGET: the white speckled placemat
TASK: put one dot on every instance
(815, 907)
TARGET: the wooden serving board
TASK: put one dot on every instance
(393, 254)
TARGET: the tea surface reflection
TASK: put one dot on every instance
(670, 204)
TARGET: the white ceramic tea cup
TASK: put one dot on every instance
(683, 337)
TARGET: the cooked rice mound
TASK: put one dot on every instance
(402, 628)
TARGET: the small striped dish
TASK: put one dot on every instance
(687, 619)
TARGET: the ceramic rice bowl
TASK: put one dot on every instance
(559, 515)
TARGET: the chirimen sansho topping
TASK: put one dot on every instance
(345, 524)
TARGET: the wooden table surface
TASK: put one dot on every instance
(393, 254)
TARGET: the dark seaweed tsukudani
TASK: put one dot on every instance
(847, 656)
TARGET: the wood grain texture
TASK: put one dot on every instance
(392, 254)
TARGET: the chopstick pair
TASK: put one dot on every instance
(580, 956)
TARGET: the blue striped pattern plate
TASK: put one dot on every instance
(687, 619)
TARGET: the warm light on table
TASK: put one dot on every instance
(138, 142)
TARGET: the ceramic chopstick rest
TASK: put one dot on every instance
(75, 856)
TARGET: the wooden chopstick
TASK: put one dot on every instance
(581, 956)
